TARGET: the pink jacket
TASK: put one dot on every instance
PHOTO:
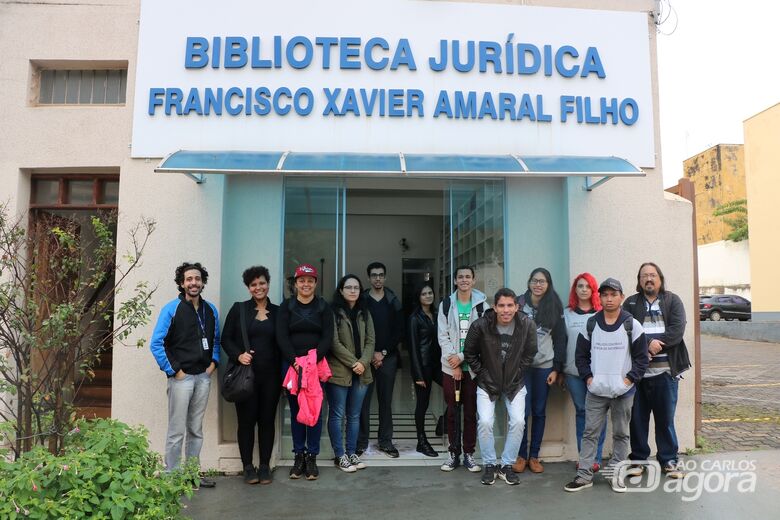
(309, 391)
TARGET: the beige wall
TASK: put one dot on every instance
(762, 157)
(718, 174)
(610, 230)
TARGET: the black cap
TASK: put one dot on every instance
(611, 283)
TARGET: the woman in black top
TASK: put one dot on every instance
(305, 322)
(260, 409)
(425, 355)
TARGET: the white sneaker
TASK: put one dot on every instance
(470, 464)
(452, 462)
(354, 459)
(344, 464)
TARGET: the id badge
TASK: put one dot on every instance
(205, 343)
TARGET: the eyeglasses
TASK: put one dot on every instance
(376, 275)
(648, 276)
(351, 287)
(537, 281)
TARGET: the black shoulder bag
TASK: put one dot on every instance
(238, 385)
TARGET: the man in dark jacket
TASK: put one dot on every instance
(662, 316)
(499, 348)
(185, 344)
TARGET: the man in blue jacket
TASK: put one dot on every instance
(185, 344)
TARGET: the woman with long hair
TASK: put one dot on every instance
(584, 303)
(542, 304)
(259, 411)
(349, 359)
(425, 356)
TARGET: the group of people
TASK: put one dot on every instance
(610, 353)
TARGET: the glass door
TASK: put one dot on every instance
(314, 233)
(314, 230)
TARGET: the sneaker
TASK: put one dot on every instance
(354, 459)
(596, 467)
(264, 474)
(207, 483)
(577, 484)
(535, 465)
(635, 470)
(470, 464)
(489, 475)
(452, 462)
(250, 475)
(672, 470)
(506, 474)
(312, 471)
(344, 464)
(360, 451)
(617, 484)
(299, 466)
(389, 450)
(519, 465)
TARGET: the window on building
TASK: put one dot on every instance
(82, 87)
(74, 191)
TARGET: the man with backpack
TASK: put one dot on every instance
(611, 358)
(456, 314)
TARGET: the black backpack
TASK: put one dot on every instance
(628, 324)
(445, 303)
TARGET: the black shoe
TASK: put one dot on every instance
(207, 483)
(312, 471)
(424, 447)
(389, 450)
(506, 474)
(577, 484)
(264, 474)
(250, 475)
(489, 475)
(299, 465)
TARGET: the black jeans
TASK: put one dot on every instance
(259, 410)
(384, 381)
(423, 397)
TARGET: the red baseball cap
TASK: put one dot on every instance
(305, 270)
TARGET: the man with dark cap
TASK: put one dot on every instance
(611, 358)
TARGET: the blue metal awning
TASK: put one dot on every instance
(197, 164)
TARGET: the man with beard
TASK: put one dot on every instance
(662, 316)
(185, 344)
(388, 318)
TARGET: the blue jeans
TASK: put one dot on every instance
(657, 394)
(486, 410)
(578, 390)
(536, 407)
(187, 400)
(343, 399)
(306, 439)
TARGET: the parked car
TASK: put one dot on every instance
(724, 306)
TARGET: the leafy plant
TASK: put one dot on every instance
(64, 299)
(738, 224)
(106, 470)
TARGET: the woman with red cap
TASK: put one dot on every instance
(305, 322)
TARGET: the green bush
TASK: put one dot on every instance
(105, 471)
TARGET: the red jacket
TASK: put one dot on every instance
(308, 389)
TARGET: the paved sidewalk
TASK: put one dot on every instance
(428, 493)
(740, 394)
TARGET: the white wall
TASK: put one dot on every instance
(724, 268)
